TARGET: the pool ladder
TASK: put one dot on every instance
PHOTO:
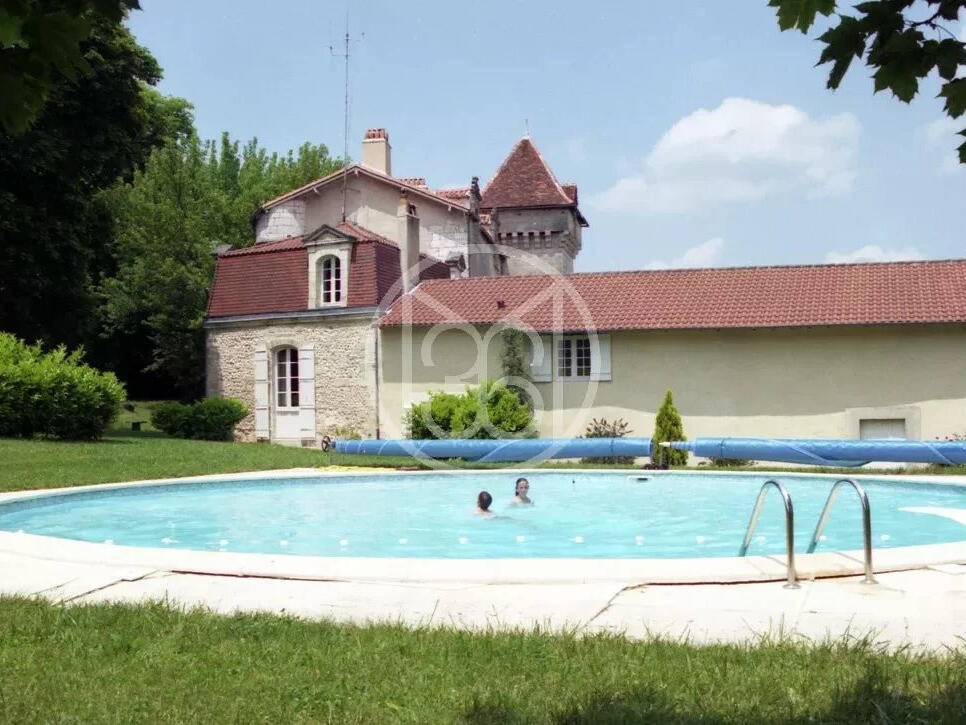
(792, 574)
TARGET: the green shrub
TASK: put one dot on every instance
(668, 427)
(451, 415)
(601, 428)
(210, 419)
(172, 418)
(730, 462)
(214, 419)
(54, 393)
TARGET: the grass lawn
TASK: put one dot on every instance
(156, 664)
(49, 464)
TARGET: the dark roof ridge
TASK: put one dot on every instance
(284, 244)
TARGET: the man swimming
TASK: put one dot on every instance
(483, 501)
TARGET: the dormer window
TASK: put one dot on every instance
(330, 278)
(330, 252)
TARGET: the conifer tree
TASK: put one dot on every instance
(668, 427)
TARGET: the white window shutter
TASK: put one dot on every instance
(307, 390)
(260, 358)
(541, 361)
(600, 364)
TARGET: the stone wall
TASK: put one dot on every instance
(285, 220)
(538, 241)
(344, 369)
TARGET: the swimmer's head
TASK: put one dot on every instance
(484, 500)
(521, 487)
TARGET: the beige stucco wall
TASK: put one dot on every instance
(344, 368)
(374, 206)
(813, 382)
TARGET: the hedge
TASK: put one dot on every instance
(54, 393)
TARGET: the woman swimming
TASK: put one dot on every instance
(520, 491)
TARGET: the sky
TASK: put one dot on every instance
(699, 135)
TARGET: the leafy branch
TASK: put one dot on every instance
(893, 46)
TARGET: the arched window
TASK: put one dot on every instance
(287, 377)
(330, 280)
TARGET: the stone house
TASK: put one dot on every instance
(292, 322)
(365, 291)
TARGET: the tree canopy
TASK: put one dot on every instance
(41, 40)
(902, 41)
(55, 234)
(191, 197)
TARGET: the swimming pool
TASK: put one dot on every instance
(580, 515)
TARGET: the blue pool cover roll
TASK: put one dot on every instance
(827, 452)
(514, 449)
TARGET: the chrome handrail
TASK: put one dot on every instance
(866, 524)
(792, 582)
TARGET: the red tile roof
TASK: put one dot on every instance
(418, 181)
(268, 277)
(740, 297)
(571, 191)
(362, 234)
(265, 247)
(457, 194)
(524, 180)
(272, 277)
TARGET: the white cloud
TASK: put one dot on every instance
(874, 253)
(740, 151)
(702, 255)
(941, 135)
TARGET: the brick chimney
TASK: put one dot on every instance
(376, 151)
(408, 238)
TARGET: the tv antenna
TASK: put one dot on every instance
(345, 130)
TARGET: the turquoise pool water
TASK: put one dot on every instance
(575, 515)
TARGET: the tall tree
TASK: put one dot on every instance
(40, 40)
(892, 37)
(54, 232)
(190, 198)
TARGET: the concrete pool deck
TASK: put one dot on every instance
(922, 606)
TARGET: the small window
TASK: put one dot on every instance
(331, 283)
(573, 357)
(582, 357)
(565, 358)
(287, 377)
